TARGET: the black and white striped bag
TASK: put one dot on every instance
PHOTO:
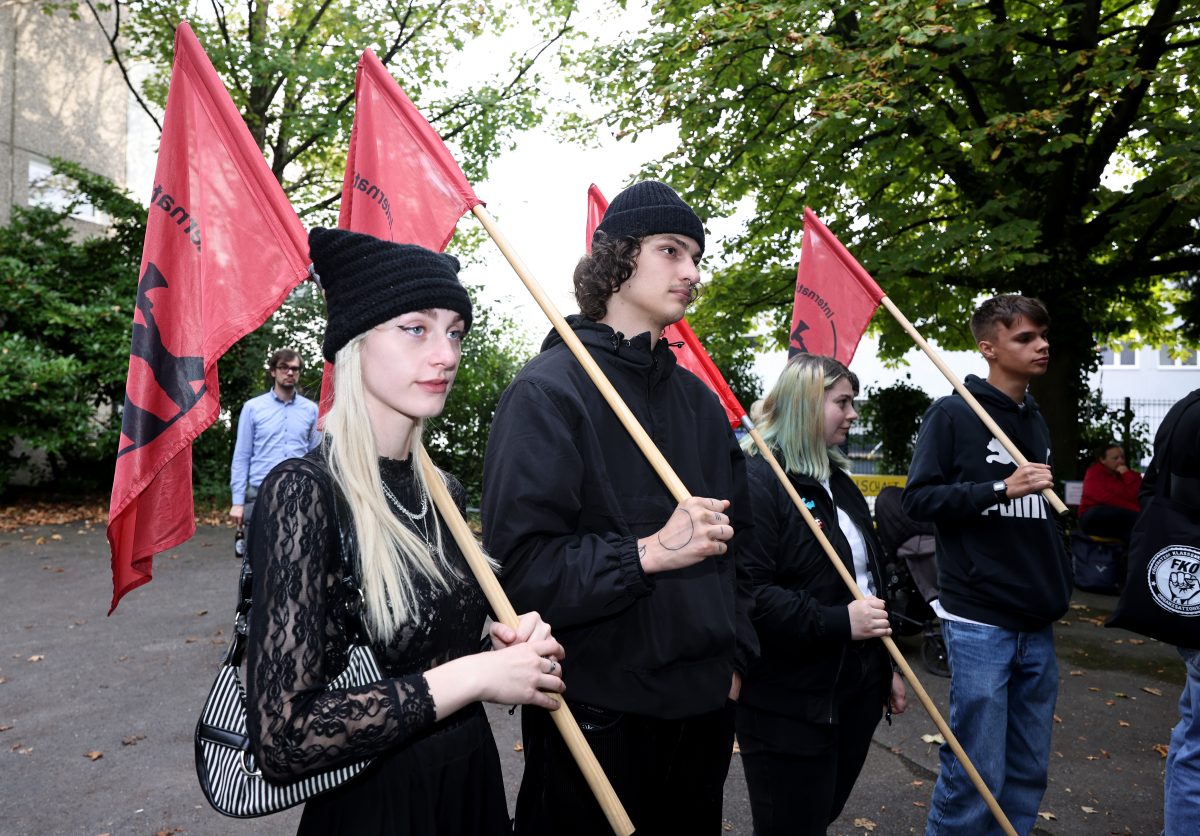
(228, 775)
(229, 778)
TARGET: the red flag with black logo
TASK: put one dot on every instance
(689, 353)
(223, 249)
(401, 183)
(835, 297)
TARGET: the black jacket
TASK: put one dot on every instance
(566, 495)
(1001, 564)
(800, 599)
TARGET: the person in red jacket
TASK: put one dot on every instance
(1109, 504)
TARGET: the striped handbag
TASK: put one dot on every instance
(228, 775)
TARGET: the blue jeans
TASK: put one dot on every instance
(1181, 786)
(1003, 686)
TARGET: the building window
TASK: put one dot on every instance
(1123, 357)
(1166, 361)
(57, 191)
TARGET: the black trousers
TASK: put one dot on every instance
(669, 774)
(799, 774)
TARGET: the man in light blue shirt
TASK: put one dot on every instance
(277, 425)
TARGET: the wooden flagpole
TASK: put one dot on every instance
(901, 662)
(618, 819)
(1060, 508)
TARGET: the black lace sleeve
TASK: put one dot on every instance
(296, 642)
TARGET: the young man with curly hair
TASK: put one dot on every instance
(645, 594)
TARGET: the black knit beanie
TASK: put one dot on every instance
(650, 208)
(368, 281)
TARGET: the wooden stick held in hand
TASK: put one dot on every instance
(563, 719)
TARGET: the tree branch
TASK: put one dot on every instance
(116, 55)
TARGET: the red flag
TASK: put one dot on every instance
(597, 206)
(223, 249)
(689, 353)
(401, 184)
(835, 296)
(692, 356)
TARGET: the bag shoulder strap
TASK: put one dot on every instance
(352, 612)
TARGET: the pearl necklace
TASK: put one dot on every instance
(420, 515)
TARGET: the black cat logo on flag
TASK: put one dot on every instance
(180, 379)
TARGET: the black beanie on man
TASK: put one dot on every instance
(368, 281)
(650, 208)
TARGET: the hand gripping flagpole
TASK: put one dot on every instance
(888, 642)
(505, 614)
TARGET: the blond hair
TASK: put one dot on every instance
(793, 416)
(390, 554)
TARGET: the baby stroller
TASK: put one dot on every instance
(911, 577)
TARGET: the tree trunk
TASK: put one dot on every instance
(1060, 391)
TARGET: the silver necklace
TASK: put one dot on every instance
(392, 497)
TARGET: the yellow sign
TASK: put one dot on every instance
(871, 485)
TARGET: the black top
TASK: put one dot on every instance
(1180, 426)
(567, 494)
(800, 600)
(999, 564)
(297, 642)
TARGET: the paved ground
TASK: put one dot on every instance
(97, 714)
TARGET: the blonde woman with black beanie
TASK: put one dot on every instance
(396, 317)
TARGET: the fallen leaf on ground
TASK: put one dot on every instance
(917, 784)
(1137, 641)
(517, 747)
(55, 536)
(165, 832)
(132, 739)
(1057, 719)
(1077, 673)
(202, 612)
(1156, 692)
(93, 755)
(726, 825)
(1121, 695)
(3, 679)
(1123, 724)
(36, 658)
(1161, 748)
(41, 541)
(1110, 702)
(22, 749)
(1047, 815)
(1093, 688)
(919, 804)
(1089, 809)
(5, 726)
(933, 738)
(737, 749)
(866, 824)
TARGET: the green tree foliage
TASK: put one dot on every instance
(289, 68)
(893, 414)
(959, 148)
(65, 313)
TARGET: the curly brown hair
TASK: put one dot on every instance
(599, 275)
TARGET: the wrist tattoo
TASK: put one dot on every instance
(641, 551)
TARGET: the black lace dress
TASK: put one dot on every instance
(427, 777)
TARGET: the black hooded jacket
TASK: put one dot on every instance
(567, 494)
(1000, 564)
(800, 600)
